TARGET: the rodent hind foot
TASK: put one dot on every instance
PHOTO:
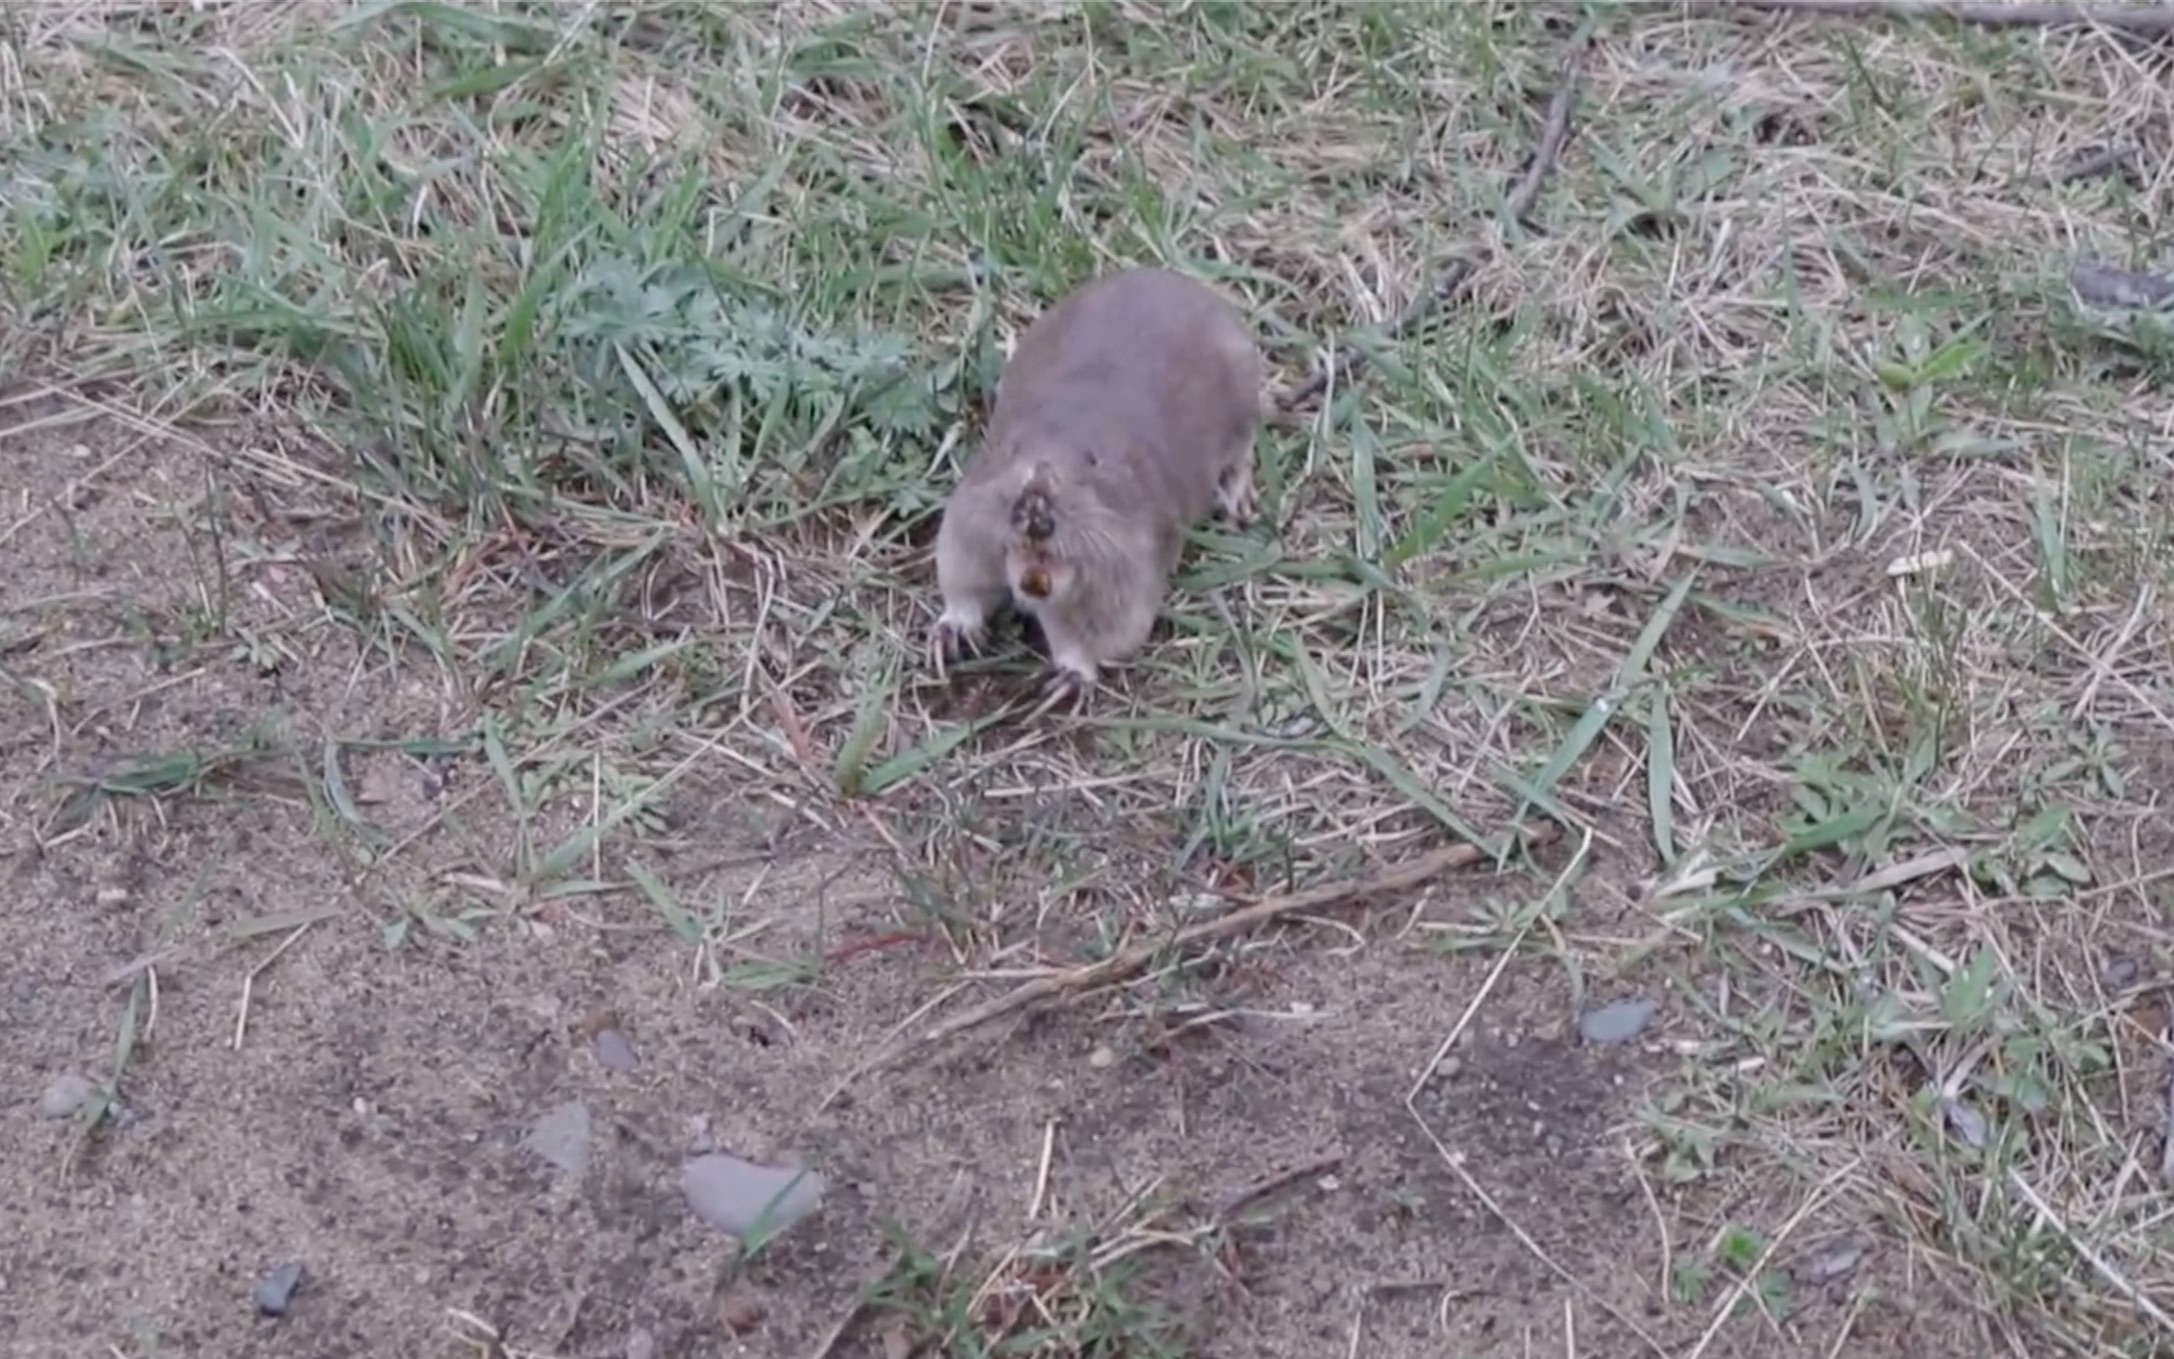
(1065, 687)
(1238, 500)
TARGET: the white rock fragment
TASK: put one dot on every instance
(561, 1137)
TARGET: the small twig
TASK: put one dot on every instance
(2142, 23)
(249, 981)
(2092, 164)
(1263, 911)
(1261, 1189)
(2103, 662)
(2166, 1129)
(2103, 285)
(1554, 131)
(1041, 1172)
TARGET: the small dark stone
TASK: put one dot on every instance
(275, 1291)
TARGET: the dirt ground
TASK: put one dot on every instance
(367, 1118)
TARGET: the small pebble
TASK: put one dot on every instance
(641, 1343)
(736, 1197)
(1618, 1022)
(66, 1095)
(1966, 1122)
(275, 1291)
(1833, 1263)
(562, 1137)
(2120, 974)
(613, 1050)
(1102, 1058)
(741, 1313)
(699, 1137)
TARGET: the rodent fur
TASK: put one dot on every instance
(1127, 412)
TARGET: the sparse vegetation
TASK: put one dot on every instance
(581, 382)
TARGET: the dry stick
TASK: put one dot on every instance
(1263, 911)
(2103, 285)
(1554, 131)
(2106, 160)
(1261, 1189)
(2142, 23)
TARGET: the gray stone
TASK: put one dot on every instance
(65, 1095)
(274, 1292)
(613, 1050)
(1618, 1022)
(562, 1137)
(740, 1198)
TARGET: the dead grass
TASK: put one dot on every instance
(1766, 516)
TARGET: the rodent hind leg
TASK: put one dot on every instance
(1235, 494)
(1079, 648)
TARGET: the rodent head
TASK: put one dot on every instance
(1033, 516)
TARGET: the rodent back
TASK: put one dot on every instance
(1144, 385)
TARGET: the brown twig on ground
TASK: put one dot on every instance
(1262, 911)
(2104, 161)
(2137, 22)
(2102, 285)
(1554, 131)
(1274, 1184)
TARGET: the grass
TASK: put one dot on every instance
(1766, 515)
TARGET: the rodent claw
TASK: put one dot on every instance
(949, 639)
(1065, 686)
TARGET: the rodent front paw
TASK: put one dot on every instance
(951, 638)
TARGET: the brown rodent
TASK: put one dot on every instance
(1126, 413)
